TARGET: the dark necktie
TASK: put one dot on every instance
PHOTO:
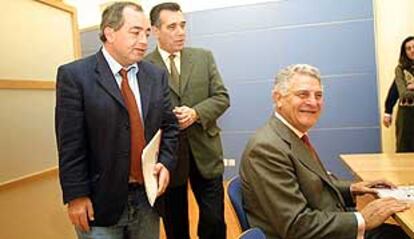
(308, 144)
(136, 129)
(175, 77)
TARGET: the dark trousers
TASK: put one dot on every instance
(386, 231)
(405, 129)
(209, 194)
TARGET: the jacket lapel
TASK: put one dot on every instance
(301, 153)
(299, 150)
(155, 58)
(186, 66)
(107, 80)
(144, 83)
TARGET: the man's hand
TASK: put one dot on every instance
(368, 187)
(163, 175)
(387, 120)
(80, 210)
(186, 116)
(376, 212)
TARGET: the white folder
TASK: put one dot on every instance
(149, 159)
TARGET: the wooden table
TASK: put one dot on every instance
(397, 168)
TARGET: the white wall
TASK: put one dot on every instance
(394, 21)
(30, 52)
(26, 26)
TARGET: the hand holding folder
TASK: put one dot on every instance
(149, 160)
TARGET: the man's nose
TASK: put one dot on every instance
(181, 30)
(313, 100)
(143, 38)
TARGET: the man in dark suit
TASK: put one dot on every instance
(390, 101)
(287, 191)
(200, 98)
(108, 106)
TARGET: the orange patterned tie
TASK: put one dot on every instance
(136, 128)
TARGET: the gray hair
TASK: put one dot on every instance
(282, 80)
(113, 16)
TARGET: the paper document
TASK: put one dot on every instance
(405, 193)
(149, 159)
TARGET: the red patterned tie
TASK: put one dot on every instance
(136, 128)
(308, 144)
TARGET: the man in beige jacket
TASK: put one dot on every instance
(200, 98)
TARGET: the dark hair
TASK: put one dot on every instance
(113, 16)
(404, 61)
(156, 10)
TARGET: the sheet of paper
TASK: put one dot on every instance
(149, 159)
(405, 193)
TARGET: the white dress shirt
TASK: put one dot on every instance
(132, 76)
(165, 57)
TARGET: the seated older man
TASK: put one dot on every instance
(287, 192)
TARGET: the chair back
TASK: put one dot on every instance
(253, 233)
(234, 192)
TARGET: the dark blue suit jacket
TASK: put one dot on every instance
(93, 134)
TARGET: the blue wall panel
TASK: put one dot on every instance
(233, 143)
(335, 48)
(350, 101)
(276, 14)
(251, 104)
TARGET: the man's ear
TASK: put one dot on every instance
(277, 98)
(109, 34)
(155, 31)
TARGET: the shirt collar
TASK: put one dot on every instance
(164, 54)
(114, 65)
(285, 122)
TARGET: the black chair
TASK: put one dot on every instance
(234, 192)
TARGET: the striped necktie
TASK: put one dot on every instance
(175, 77)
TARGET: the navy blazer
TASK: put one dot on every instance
(93, 133)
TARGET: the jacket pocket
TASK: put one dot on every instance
(213, 131)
